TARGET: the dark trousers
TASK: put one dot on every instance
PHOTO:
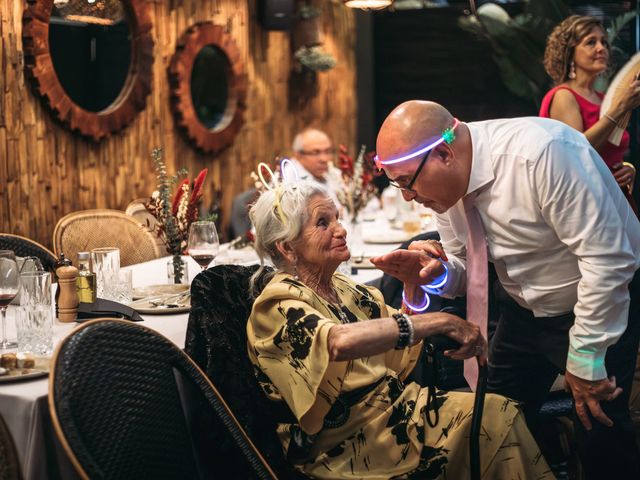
(526, 355)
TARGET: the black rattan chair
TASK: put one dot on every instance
(124, 402)
(217, 342)
(23, 247)
(9, 463)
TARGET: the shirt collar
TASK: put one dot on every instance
(481, 167)
(304, 174)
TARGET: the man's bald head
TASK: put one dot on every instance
(436, 178)
(410, 126)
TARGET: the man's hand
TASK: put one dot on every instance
(588, 394)
(433, 248)
(409, 266)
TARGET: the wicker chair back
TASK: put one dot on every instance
(122, 400)
(24, 247)
(88, 229)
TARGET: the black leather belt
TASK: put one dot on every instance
(341, 408)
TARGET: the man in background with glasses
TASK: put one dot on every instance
(564, 242)
(314, 152)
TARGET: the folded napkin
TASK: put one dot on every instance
(106, 308)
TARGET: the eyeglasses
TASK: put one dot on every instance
(318, 152)
(409, 186)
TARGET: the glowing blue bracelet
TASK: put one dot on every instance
(433, 288)
(417, 308)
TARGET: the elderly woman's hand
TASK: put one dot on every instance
(410, 266)
(468, 335)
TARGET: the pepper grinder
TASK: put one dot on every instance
(68, 299)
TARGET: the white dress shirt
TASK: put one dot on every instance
(559, 231)
(329, 181)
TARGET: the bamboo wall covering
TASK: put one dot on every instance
(47, 172)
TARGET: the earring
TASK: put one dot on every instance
(572, 70)
(295, 268)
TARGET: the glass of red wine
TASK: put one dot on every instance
(203, 243)
(9, 288)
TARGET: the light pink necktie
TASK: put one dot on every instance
(477, 283)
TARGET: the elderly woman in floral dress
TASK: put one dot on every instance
(338, 357)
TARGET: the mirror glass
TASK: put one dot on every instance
(210, 87)
(90, 45)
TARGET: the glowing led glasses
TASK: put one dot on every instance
(448, 136)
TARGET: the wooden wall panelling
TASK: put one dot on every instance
(47, 172)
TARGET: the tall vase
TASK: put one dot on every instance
(177, 270)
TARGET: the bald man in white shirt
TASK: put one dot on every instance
(566, 249)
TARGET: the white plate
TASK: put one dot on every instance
(149, 309)
(387, 236)
(165, 289)
(18, 374)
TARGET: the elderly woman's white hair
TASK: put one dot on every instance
(278, 216)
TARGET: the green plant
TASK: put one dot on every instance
(518, 43)
(306, 11)
(314, 59)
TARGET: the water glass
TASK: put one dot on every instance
(105, 263)
(123, 291)
(34, 316)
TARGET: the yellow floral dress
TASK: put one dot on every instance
(384, 435)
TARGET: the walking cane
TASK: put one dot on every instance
(441, 343)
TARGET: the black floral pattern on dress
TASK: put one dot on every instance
(432, 461)
(298, 333)
(395, 388)
(399, 419)
(366, 302)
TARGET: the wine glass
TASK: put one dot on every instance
(203, 243)
(9, 288)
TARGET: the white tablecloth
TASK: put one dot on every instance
(23, 405)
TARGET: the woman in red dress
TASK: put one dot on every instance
(577, 52)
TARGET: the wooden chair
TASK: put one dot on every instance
(127, 403)
(25, 247)
(88, 229)
(9, 462)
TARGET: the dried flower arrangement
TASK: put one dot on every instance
(174, 216)
(357, 188)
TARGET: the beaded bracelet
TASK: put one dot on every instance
(406, 330)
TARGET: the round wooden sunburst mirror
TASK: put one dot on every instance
(208, 87)
(91, 62)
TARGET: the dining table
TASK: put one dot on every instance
(24, 403)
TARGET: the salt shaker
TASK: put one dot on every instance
(68, 298)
